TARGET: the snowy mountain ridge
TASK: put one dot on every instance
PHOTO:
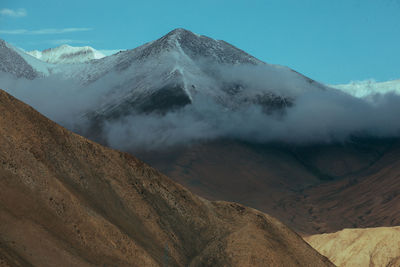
(185, 83)
(368, 87)
(12, 61)
(66, 54)
(177, 68)
(171, 72)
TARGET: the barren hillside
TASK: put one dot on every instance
(67, 201)
(360, 247)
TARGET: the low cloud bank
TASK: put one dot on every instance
(316, 116)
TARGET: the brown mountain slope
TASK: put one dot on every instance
(297, 184)
(66, 201)
(379, 247)
(370, 198)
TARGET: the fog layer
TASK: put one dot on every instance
(317, 115)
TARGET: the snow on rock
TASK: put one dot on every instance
(182, 66)
(369, 87)
(66, 54)
(174, 71)
(13, 63)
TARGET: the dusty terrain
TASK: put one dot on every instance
(370, 198)
(360, 247)
(311, 188)
(67, 201)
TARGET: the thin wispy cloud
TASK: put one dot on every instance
(66, 41)
(44, 31)
(17, 13)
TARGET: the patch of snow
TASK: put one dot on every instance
(369, 87)
(66, 54)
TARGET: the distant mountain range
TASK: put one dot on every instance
(165, 74)
(178, 42)
(172, 72)
(66, 54)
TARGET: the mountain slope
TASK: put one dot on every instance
(378, 247)
(312, 188)
(369, 198)
(83, 204)
(19, 64)
(184, 65)
(176, 70)
(11, 62)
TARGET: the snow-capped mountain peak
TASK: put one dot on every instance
(66, 54)
(173, 71)
(197, 46)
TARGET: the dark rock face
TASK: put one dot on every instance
(11, 62)
(168, 98)
(76, 54)
(272, 103)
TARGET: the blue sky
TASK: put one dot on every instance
(333, 41)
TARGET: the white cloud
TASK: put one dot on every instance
(44, 31)
(19, 31)
(66, 41)
(17, 13)
(58, 31)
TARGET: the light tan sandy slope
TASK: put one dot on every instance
(360, 247)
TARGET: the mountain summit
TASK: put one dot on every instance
(195, 46)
